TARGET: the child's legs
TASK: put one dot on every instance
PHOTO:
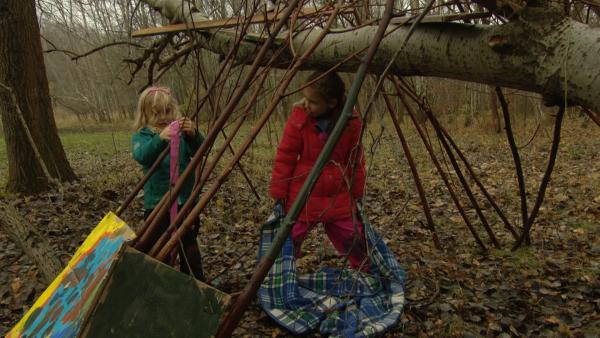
(191, 254)
(299, 232)
(162, 227)
(349, 241)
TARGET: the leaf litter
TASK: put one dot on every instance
(550, 289)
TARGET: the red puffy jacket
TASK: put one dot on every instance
(297, 153)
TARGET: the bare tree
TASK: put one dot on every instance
(25, 97)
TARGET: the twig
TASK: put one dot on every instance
(441, 137)
(535, 132)
(415, 173)
(445, 135)
(441, 172)
(591, 115)
(546, 178)
(516, 158)
(462, 179)
(75, 56)
(490, 199)
(139, 62)
(36, 151)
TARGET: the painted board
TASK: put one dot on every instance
(62, 307)
(146, 298)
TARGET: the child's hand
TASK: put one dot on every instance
(279, 208)
(165, 134)
(187, 126)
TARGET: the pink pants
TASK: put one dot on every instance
(342, 234)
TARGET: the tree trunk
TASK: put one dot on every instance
(33, 244)
(538, 52)
(22, 70)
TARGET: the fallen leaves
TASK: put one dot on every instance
(549, 289)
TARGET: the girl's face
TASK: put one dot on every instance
(164, 117)
(316, 104)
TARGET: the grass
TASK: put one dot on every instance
(585, 225)
(102, 143)
(85, 150)
(524, 258)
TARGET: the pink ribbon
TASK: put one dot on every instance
(175, 129)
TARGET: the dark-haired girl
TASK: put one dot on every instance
(333, 199)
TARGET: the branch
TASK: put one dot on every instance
(30, 241)
(546, 178)
(74, 56)
(153, 52)
(54, 48)
(515, 154)
(97, 49)
(28, 135)
(594, 117)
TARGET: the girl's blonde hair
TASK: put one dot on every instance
(154, 102)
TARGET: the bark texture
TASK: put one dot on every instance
(22, 70)
(30, 241)
(541, 51)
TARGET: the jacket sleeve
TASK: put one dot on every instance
(358, 187)
(147, 147)
(286, 158)
(357, 159)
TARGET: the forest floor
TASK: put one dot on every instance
(551, 288)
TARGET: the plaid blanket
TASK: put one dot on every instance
(337, 302)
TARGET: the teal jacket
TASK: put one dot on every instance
(147, 145)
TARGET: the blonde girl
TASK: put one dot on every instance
(156, 110)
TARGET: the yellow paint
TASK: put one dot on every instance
(111, 225)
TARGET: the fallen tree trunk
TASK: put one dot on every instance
(30, 241)
(541, 51)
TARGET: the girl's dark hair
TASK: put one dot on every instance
(330, 86)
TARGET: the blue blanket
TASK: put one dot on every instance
(337, 302)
